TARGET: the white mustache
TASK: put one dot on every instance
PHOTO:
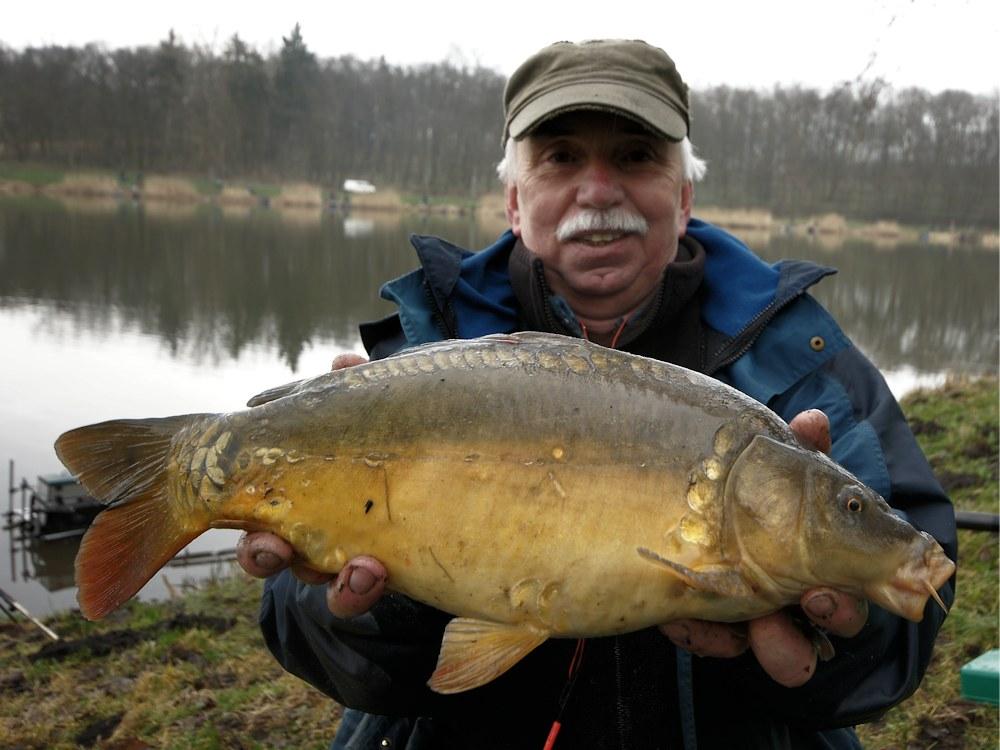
(593, 220)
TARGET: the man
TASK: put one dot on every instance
(599, 187)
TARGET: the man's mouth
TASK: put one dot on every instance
(599, 238)
(594, 227)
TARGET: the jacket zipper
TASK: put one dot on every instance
(550, 320)
(437, 315)
(750, 333)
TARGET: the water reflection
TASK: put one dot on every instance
(206, 283)
(928, 308)
(50, 563)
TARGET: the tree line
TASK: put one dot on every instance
(861, 149)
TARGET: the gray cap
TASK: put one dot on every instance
(627, 77)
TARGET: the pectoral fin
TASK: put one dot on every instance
(475, 652)
(721, 581)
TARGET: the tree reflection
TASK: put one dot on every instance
(210, 286)
(910, 305)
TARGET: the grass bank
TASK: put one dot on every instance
(193, 673)
(957, 429)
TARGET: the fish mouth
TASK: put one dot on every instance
(914, 582)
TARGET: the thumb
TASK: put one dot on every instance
(812, 428)
(348, 359)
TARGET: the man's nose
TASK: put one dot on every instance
(599, 186)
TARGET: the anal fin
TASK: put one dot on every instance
(721, 581)
(475, 652)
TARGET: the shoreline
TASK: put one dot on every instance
(309, 201)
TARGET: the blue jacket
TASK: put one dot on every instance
(771, 340)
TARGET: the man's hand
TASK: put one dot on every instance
(784, 651)
(351, 592)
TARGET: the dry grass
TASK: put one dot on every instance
(84, 186)
(16, 187)
(829, 224)
(385, 199)
(174, 189)
(236, 195)
(990, 240)
(736, 218)
(185, 687)
(492, 204)
(299, 195)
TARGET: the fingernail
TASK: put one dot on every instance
(361, 581)
(821, 605)
(266, 560)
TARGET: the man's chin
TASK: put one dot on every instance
(605, 286)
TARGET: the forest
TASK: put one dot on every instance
(860, 149)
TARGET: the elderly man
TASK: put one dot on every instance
(599, 177)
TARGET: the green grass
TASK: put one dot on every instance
(194, 687)
(264, 189)
(463, 201)
(957, 429)
(33, 174)
(206, 186)
(187, 687)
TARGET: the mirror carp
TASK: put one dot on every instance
(514, 481)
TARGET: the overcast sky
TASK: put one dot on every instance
(934, 44)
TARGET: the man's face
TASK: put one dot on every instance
(591, 161)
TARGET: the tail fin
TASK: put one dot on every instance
(123, 464)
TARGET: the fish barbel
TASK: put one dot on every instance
(515, 481)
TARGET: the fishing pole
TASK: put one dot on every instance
(11, 602)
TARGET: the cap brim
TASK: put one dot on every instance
(658, 115)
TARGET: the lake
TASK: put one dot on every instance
(118, 310)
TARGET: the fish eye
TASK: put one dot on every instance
(854, 504)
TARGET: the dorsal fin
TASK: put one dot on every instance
(272, 394)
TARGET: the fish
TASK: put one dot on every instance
(531, 485)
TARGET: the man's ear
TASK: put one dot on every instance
(684, 212)
(513, 212)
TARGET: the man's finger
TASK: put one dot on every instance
(782, 650)
(356, 589)
(835, 612)
(812, 428)
(703, 638)
(262, 554)
(348, 359)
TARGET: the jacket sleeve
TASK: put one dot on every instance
(377, 662)
(883, 664)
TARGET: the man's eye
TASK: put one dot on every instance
(638, 156)
(560, 157)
